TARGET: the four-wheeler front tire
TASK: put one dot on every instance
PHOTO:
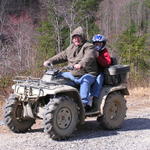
(13, 116)
(61, 117)
(114, 111)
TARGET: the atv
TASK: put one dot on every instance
(58, 103)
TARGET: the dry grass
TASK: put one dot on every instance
(1, 106)
(139, 92)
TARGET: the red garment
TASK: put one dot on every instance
(104, 58)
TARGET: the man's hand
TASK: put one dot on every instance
(46, 63)
(77, 66)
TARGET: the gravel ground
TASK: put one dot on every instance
(134, 134)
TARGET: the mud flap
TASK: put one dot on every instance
(27, 111)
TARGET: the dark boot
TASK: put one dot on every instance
(95, 105)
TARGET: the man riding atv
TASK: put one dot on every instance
(60, 105)
(82, 57)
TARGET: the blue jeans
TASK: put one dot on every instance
(85, 83)
(97, 86)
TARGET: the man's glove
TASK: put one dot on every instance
(47, 63)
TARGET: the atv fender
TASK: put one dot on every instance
(107, 90)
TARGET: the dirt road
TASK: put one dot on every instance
(134, 134)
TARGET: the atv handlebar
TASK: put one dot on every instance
(51, 66)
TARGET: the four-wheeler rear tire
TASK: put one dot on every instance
(61, 117)
(114, 111)
(13, 116)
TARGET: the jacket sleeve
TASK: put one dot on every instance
(104, 59)
(59, 58)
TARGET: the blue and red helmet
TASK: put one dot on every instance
(99, 38)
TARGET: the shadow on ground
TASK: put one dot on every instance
(92, 129)
(136, 124)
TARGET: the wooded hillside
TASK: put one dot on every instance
(34, 30)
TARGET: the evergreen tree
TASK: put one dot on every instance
(132, 50)
(47, 43)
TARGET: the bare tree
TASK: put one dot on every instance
(54, 18)
(67, 12)
(3, 48)
(22, 45)
(2, 14)
(70, 14)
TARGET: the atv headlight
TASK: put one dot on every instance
(13, 87)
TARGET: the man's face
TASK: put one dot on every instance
(76, 39)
